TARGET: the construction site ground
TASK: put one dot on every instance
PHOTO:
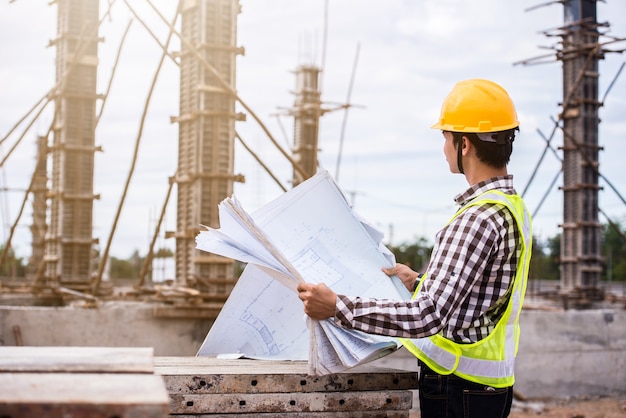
(582, 407)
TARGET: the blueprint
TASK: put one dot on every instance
(261, 319)
(308, 234)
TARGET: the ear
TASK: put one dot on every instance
(467, 147)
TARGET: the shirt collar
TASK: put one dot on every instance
(502, 183)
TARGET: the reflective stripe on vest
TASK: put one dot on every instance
(490, 361)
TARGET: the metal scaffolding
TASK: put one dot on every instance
(206, 139)
(69, 242)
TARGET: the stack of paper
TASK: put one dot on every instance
(308, 234)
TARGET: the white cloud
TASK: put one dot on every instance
(412, 52)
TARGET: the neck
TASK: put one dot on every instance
(483, 172)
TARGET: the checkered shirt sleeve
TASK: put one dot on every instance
(466, 290)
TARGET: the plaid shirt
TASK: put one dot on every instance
(466, 291)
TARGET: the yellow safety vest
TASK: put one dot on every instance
(490, 361)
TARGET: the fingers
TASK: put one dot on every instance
(390, 271)
(404, 273)
(395, 270)
(318, 300)
(303, 291)
(308, 290)
(302, 287)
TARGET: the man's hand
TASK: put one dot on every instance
(404, 273)
(319, 300)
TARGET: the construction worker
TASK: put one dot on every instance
(462, 321)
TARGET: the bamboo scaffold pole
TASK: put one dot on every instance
(48, 97)
(103, 260)
(148, 260)
(230, 90)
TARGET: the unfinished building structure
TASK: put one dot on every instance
(581, 261)
(206, 122)
(306, 112)
(206, 145)
(68, 249)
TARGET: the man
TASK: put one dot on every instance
(462, 322)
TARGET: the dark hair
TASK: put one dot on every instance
(497, 153)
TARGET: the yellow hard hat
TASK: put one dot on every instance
(477, 105)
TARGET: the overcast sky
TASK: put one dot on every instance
(392, 166)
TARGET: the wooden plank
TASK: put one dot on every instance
(207, 375)
(80, 411)
(239, 403)
(77, 359)
(206, 382)
(350, 414)
(31, 395)
(181, 365)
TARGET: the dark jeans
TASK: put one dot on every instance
(452, 397)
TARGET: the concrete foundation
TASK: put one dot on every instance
(561, 353)
(114, 324)
(572, 353)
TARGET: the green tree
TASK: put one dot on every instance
(553, 271)
(613, 249)
(13, 266)
(537, 261)
(163, 252)
(414, 255)
(544, 263)
(125, 269)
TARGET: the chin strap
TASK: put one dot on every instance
(459, 153)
